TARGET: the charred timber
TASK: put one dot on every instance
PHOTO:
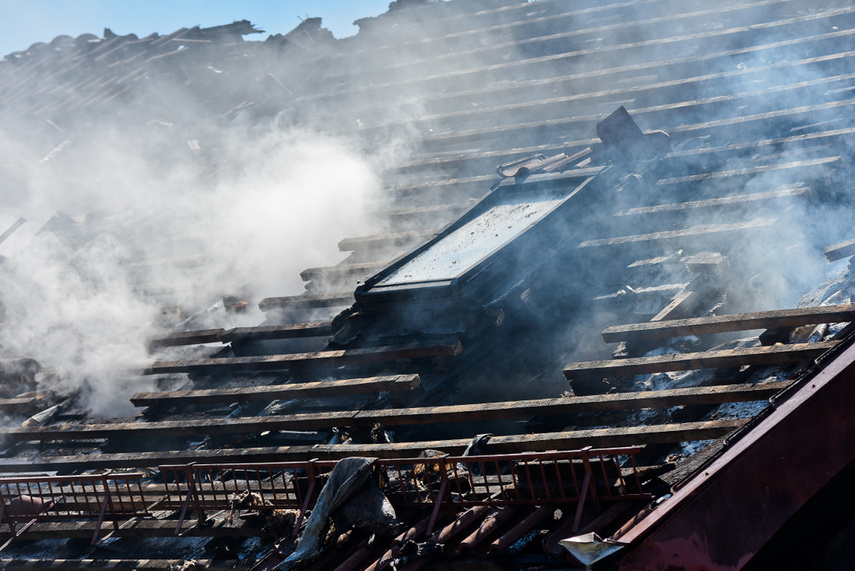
(292, 331)
(307, 301)
(723, 323)
(681, 236)
(775, 355)
(312, 390)
(323, 358)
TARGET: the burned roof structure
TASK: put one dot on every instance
(592, 305)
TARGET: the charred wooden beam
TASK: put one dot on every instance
(775, 355)
(404, 416)
(602, 437)
(19, 405)
(326, 358)
(840, 251)
(570, 405)
(671, 236)
(185, 338)
(307, 301)
(598, 437)
(319, 389)
(261, 332)
(736, 200)
(342, 271)
(750, 171)
(290, 331)
(379, 241)
(724, 323)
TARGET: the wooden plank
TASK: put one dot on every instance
(749, 171)
(597, 437)
(185, 338)
(739, 199)
(701, 231)
(677, 305)
(626, 436)
(326, 358)
(732, 322)
(570, 405)
(840, 251)
(307, 301)
(319, 389)
(403, 416)
(775, 355)
(19, 405)
(342, 271)
(289, 331)
(391, 240)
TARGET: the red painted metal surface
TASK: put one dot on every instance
(722, 517)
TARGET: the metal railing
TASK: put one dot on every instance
(30, 500)
(536, 478)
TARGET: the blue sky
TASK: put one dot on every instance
(24, 22)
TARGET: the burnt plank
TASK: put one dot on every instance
(19, 405)
(185, 338)
(290, 331)
(736, 200)
(598, 437)
(392, 383)
(750, 171)
(326, 358)
(624, 436)
(775, 355)
(391, 240)
(307, 301)
(668, 236)
(405, 416)
(342, 271)
(570, 405)
(180, 428)
(733, 322)
(840, 251)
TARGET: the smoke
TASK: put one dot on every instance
(136, 224)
